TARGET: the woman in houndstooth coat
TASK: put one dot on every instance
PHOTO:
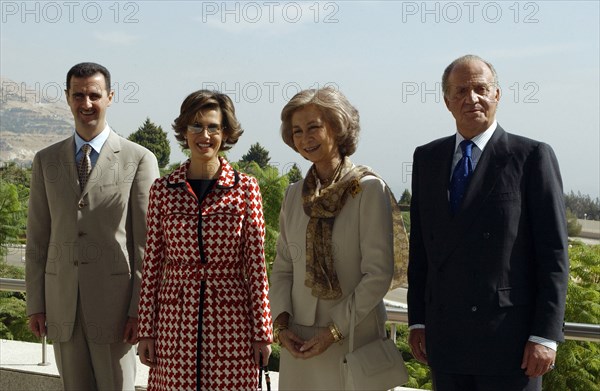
(204, 315)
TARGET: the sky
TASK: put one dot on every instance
(386, 57)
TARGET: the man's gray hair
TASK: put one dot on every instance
(462, 60)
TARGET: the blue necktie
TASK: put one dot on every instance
(461, 176)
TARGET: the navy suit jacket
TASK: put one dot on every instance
(486, 279)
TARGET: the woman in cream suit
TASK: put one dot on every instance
(335, 247)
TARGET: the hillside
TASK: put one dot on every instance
(31, 117)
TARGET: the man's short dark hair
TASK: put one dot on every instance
(87, 69)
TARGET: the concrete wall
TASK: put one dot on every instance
(15, 380)
(589, 229)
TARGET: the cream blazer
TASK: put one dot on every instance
(363, 259)
(88, 243)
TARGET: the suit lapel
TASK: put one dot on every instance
(493, 160)
(435, 177)
(68, 163)
(105, 162)
(442, 161)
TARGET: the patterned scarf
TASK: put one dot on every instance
(322, 208)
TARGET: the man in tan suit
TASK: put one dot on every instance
(85, 240)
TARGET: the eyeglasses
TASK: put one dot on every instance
(197, 128)
(484, 90)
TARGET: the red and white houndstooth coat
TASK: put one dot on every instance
(226, 279)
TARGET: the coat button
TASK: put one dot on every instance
(486, 235)
(474, 308)
(81, 204)
(76, 263)
(81, 233)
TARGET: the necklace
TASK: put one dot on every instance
(328, 181)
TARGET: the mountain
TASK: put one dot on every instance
(31, 118)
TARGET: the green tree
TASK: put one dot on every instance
(573, 226)
(13, 316)
(272, 189)
(294, 174)
(583, 206)
(13, 212)
(20, 177)
(14, 194)
(155, 139)
(578, 362)
(257, 154)
(405, 197)
(15, 174)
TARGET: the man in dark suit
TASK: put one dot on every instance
(85, 240)
(488, 263)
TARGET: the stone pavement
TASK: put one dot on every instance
(19, 369)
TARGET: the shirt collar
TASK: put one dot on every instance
(96, 143)
(480, 140)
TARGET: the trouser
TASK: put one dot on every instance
(86, 365)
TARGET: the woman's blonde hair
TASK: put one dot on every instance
(337, 110)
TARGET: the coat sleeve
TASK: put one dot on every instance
(152, 268)
(376, 257)
(547, 218)
(417, 264)
(282, 276)
(253, 240)
(146, 173)
(38, 237)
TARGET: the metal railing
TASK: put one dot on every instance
(573, 331)
(12, 285)
(15, 285)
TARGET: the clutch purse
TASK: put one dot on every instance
(377, 365)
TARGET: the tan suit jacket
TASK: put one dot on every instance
(88, 243)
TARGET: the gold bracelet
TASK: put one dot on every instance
(335, 332)
(276, 330)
